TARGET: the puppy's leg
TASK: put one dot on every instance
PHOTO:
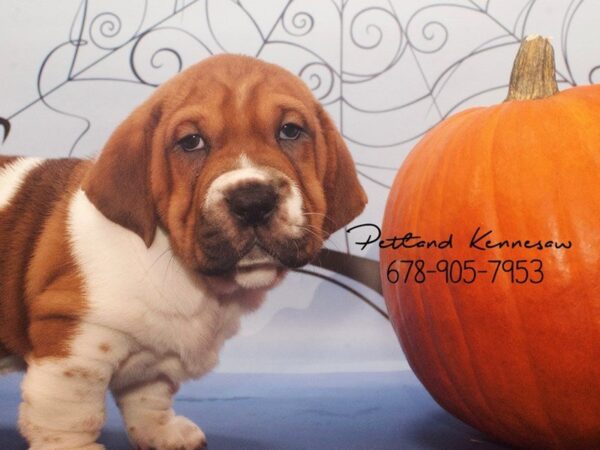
(63, 403)
(63, 398)
(150, 419)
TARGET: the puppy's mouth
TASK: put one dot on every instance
(257, 269)
(256, 258)
(252, 249)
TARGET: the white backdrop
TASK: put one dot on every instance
(387, 71)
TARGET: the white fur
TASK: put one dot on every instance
(63, 399)
(151, 421)
(257, 278)
(256, 269)
(149, 325)
(12, 176)
(147, 295)
(293, 207)
(255, 257)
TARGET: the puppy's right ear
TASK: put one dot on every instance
(119, 182)
(344, 195)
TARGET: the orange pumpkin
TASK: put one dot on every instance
(514, 351)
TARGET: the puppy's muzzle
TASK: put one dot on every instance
(252, 203)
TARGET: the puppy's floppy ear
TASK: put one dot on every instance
(119, 182)
(344, 195)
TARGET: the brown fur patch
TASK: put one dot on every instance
(118, 182)
(104, 347)
(40, 287)
(4, 351)
(6, 160)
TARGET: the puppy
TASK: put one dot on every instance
(128, 273)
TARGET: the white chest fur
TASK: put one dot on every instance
(171, 321)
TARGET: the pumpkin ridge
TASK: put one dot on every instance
(457, 150)
(514, 111)
(588, 329)
(498, 114)
(516, 330)
(428, 173)
(469, 123)
(414, 210)
(445, 297)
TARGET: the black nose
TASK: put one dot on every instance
(253, 203)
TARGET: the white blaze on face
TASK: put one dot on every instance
(218, 188)
(293, 208)
(12, 176)
(257, 269)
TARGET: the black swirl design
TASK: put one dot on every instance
(429, 36)
(106, 25)
(106, 29)
(319, 77)
(300, 23)
(156, 51)
(5, 124)
(594, 75)
(164, 61)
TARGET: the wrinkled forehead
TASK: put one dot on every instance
(237, 105)
(238, 86)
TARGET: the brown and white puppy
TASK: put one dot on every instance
(128, 273)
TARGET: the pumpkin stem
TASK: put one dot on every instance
(533, 75)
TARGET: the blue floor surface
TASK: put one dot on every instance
(287, 412)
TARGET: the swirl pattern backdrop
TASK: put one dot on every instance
(386, 70)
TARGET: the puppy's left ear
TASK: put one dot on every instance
(119, 182)
(344, 195)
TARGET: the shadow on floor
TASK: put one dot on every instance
(439, 430)
(11, 439)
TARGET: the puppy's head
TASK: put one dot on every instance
(238, 163)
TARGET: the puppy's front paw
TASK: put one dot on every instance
(179, 433)
(48, 446)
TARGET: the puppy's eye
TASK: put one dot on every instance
(290, 132)
(192, 142)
